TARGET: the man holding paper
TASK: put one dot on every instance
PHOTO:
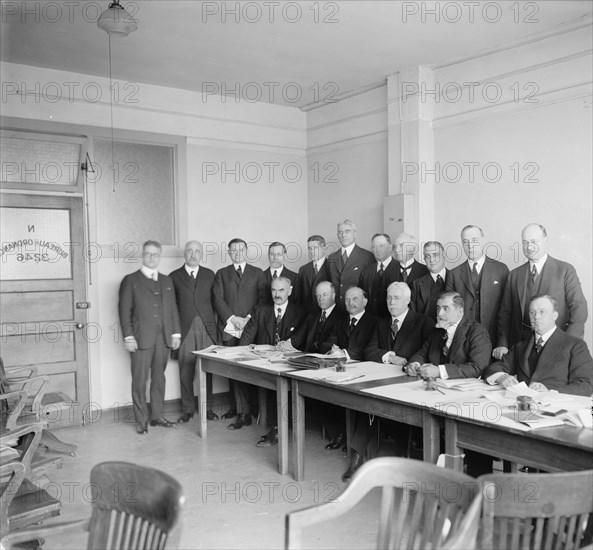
(237, 289)
(550, 360)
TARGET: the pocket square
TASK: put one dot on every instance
(356, 269)
(495, 282)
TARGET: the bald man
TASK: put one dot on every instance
(541, 274)
(405, 248)
(193, 291)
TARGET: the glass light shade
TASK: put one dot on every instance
(116, 21)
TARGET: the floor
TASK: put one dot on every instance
(235, 497)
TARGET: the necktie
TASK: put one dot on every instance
(278, 321)
(381, 270)
(239, 271)
(155, 276)
(275, 276)
(404, 272)
(444, 347)
(394, 328)
(193, 274)
(475, 276)
(344, 258)
(533, 273)
(352, 324)
(539, 345)
(440, 284)
(323, 317)
(315, 269)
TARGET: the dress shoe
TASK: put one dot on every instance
(231, 413)
(355, 463)
(336, 442)
(211, 415)
(185, 417)
(163, 423)
(141, 429)
(242, 420)
(271, 438)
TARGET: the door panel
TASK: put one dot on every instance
(42, 270)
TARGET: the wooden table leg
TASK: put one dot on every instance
(350, 416)
(202, 405)
(453, 454)
(282, 405)
(263, 406)
(431, 437)
(298, 431)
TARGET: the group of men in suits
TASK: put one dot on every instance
(378, 306)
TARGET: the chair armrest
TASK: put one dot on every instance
(29, 386)
(19, 372)
(12, 416)
(29, 436)
(13, 539)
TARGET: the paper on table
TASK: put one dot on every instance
(521, 389)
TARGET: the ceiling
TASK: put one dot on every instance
(292, 53)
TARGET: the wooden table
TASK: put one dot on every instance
(555, 449)
(265, 376)
(352, 396)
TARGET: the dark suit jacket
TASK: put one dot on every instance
(565, 364)
(136, 306)
(356, 342)
(415, 330)
(194, 299)
(494, 277)
(376, 292)
(304, 337)
(557, 279)
(261, 327)
(308, 280)
(345, 277)
(416, 271)
(294, 281)
(237, 296)
(469, 353)
(424, 295)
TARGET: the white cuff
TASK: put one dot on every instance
(443, 371)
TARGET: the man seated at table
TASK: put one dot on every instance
(270, 324)
(550, 360)
(394, 340)
(352, 336)
(458, 348)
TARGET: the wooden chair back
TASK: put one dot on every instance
(133, 507)
(422, 505)
(544, 511)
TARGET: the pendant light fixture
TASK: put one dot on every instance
(117, 22)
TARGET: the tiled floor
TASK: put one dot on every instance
(235, 497)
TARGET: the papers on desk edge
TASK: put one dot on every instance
(581, 419)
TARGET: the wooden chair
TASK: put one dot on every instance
(26, 379)
(23, 502)
(422, 505)
(537, 510)
(133, 508)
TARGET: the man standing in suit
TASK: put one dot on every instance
(312, 273)
(550, 360)
(542, 274)
(276, 255)
(480, 281)
(346, 264)
(405, 248)
(150, 326)
(193, 291)
(394, 340)
(271, 324)
(458, 348)
(427, 289)
(238, 288)
(375, 278)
